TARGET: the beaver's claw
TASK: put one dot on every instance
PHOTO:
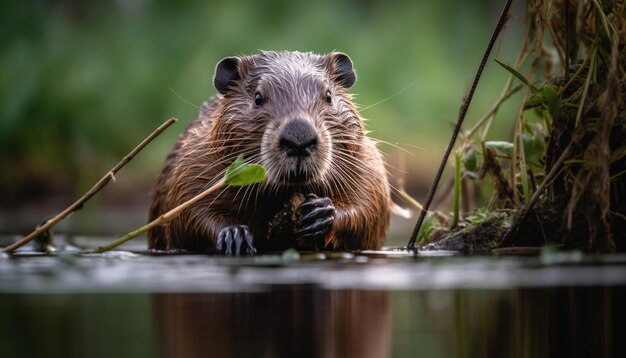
(315, 218)
(235, 240)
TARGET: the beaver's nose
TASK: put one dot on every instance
(298, 138)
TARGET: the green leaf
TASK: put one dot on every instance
(552, 99)
(470, 160)
(534, 146)
(518, 75)
(241, 173)
(548, 95)
(547, 120)
(426, 231)
(501, 146)
(535, 100)
(479, 217)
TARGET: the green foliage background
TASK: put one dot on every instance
(83, 81)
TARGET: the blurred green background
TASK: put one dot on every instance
(82, 82)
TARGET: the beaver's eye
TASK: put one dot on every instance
(258, 100)
(329, 98)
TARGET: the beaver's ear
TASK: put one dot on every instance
(343, 71)
(226, 73)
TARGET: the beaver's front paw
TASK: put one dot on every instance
(235, 240)
(315, 220)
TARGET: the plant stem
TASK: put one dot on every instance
(436, 214)
(164, 218)
(583, 98)
(78, 204)
(580, 69)
(605, 22)
(462, 112)
(547, 120)
(522, 162)
(517, 134)
(506, 92)
(523, 211)
(492, 111)
(555, 39)
(457, 189)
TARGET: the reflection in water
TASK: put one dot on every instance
(538, 322)
(289, 322)
(306, 320)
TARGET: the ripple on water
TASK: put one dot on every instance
(125, 271)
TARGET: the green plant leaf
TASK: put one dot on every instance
(534, 146)
(535, 100)
(548, 95)
(501, 146)
(551, 98)
(426, 231)
(469, 160)
(518, 75)
(479, 217)
(241, 173)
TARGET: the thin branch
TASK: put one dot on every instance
(442, 218)
(462, 112)
(555, 39)
(583, 98)
(163, 218)
(516, 147)
(580, 68)
(492, 111)
(78, 204)
(239, 173)
(489, 117)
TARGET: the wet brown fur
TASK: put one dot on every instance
(348, 168)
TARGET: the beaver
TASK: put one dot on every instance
(291, 113)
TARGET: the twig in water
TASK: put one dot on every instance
(78, 204)
(462, 112)
(239, 173)
(163, 218)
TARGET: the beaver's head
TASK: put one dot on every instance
(290, 112)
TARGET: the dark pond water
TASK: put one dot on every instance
(374, 304)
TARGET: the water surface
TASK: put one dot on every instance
(372, 304)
